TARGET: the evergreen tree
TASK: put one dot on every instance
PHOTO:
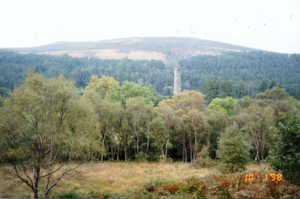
(250, 91)
(241, 89)
(263, 86)
(272, 84)
(297, 96)
(231, 91)
(216, 87)
(227, 89)
(207, 90)
(233, 150)
(1, 101)
(224, 88)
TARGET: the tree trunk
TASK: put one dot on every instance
(137, 144)
(191, 152)
(125, 150)
(167, 147)
(92, 159)
(168, 134)
(112, 151)
(148, 143)
(148, 131)
(208, 140)
(185, 151)
(36, 175)
(257, 154)
(182, 152)
(118, 153)
(104, 140)
(195, 149)
(128, 153)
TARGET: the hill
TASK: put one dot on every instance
(166, 49)
(251, 67)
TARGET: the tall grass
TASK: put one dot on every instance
(133, 179)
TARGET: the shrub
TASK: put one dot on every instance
(141, 157)
(200, 163)
(152, 157)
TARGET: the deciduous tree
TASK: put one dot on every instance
(41, 132)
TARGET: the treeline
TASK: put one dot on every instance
(122, 121)
(250, 67)
(216, 89)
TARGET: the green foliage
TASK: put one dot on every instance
(71, 194)
(153, 157)
(212, 89)
(152, 184)
(297, 96)
(1, 101)
(232, 149)
(285, 156)
(141, 157)
(207, 162)
(263, 86)
(221, 192)
(274, 94)
(249, 66)
(241, 89)
(226, 105)
(133, 90)
(272, 84)
(4, 92)
(104, 85)
(227, 89)
(43, 116)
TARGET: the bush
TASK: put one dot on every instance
(285, 156)
(141, 157)
(200, 163)
(152, 157)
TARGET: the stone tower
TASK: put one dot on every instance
(177, 79)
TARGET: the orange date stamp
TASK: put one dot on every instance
(273, 177)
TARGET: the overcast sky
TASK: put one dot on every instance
(272, 25)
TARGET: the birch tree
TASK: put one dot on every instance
(258, 123)
(39, 126)
(136, 108)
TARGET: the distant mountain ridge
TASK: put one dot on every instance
(167, 49)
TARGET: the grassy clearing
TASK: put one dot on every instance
(136, 179)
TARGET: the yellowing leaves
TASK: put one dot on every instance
(104, 85)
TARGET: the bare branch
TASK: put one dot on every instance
(66, 171)
(54, 171)
(25, 172)
(24, 180)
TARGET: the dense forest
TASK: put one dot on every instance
(252, 68)
(63, 114)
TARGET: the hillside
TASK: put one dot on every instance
(251, 67)
(166, 49)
